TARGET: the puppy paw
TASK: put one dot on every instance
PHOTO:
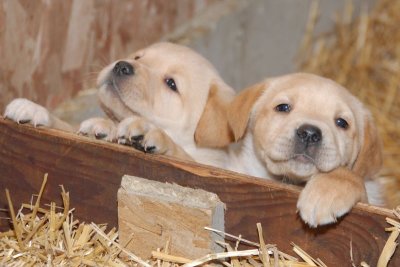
(22, 110)
(156, 141)
(327, 197)
(131, 131)
(99, 128)
(142, 135)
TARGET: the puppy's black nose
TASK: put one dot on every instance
(309, 134)
(123, 68)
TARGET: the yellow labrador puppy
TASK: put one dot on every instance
(160, 99)
(308, 130)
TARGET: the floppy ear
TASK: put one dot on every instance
(239, 110)
(369, 159)
(213, 129)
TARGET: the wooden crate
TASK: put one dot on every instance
(91, 171)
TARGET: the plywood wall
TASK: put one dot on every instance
(50, 49)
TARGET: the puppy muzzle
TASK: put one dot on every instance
(123, 69)
(118, 74)
(308, 139)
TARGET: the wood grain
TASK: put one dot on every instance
(157, 213)
(91, 171)
(52, 49)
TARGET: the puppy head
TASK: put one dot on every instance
(165, 83)
(303, 124)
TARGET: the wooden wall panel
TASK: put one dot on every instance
(51, 49)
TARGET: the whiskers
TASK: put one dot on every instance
(94, 69)
(89, 78)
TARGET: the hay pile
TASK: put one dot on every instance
(44, 237)
(391, 243)
(363, 54)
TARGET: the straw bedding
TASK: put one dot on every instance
(45, 237)
(363, 54)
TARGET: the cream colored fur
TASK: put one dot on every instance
(340, 165)
(143, 105)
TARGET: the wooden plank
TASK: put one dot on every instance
(159, 213)
(91, 170)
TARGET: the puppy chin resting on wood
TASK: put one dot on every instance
(160, 99)
(308, 130)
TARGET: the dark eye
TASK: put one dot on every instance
(171, 84)
(342, 123)
(283, 108)
(137, 57)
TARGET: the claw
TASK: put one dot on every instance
(137, 138)
(23, 121)
(150, 149)
(138, 146)
(100, 135)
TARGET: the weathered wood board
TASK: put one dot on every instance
(159, 213)
(91, 171)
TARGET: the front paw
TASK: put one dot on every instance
(328, 196)
(99, 128)
(142, 135)
(22, 110)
